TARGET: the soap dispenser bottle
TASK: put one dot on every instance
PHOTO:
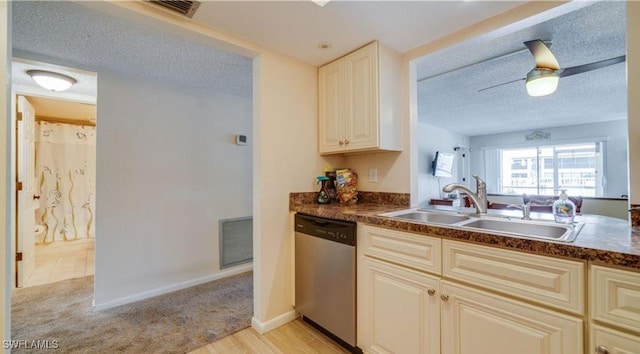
(564, 210)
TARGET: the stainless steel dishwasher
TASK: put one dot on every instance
(325, 275)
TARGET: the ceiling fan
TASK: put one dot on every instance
(544, 77)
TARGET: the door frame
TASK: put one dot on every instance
(23, 90)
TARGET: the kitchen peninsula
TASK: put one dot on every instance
(603, 239)
(429, 288)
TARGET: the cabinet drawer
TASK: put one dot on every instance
(549, 281)
(612, 341)
(615, 297)
(410, 250)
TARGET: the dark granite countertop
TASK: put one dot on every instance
(603, 240)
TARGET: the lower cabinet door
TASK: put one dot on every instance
(398, 309)
(604, 340)
(477, 322)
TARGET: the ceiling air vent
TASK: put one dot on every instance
(185, 7)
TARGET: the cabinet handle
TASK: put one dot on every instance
(431, 292)
(346, 142)
(444, 297)
(341, 142)
(601, 349)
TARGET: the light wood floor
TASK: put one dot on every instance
(294, 337)
(62, 260)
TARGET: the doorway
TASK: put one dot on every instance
(55, 176)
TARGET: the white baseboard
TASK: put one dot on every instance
(167, 289)
(264, 327)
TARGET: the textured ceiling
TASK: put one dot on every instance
(592, 33)
(296, 27)
(76, 34)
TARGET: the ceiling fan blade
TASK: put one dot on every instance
(542, 55)
(591, 66)
(498, 85)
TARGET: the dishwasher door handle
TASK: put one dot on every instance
(318, 223)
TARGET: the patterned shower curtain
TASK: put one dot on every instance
(65, 174)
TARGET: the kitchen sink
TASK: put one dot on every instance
(532, 229)
(437, 218)
(500, 225)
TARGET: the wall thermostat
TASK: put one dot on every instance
(241, 139)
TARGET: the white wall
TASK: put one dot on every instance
(285, 150)
(167, 171)
(286, 160)
(5, 157)
(429, 140)
(616, 151)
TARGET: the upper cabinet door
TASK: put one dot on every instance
(331, 107)
(359, 102)
(361, 68)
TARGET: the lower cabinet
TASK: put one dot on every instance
(405, 311)
(605, 340)
(398, 309)
(615, 302)
(403, 308)
(477, 322)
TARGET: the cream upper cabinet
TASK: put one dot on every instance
(359, 102)
(331, 106)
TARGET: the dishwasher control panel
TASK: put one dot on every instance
(329, 229)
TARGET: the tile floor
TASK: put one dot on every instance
(62, 260)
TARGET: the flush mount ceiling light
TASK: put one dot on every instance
(324, 45)
(51, 81)
(321, 3)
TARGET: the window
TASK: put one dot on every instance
(546, 169)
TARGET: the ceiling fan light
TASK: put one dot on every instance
(51, 81)
(542, 82)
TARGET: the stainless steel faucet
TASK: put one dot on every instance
(479, 197)
(526, 210)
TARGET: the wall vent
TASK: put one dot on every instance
(236, 241)
(185, 7)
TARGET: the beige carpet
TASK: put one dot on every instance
(172, 323)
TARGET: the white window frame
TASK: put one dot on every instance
(493, 174)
